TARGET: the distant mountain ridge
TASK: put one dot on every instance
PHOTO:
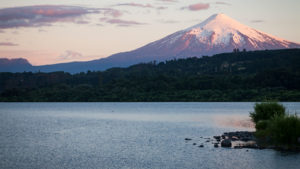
(217, 34)
(14, 65)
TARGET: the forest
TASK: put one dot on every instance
(269, 75)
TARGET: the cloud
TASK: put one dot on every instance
(257, 21)
(141, 5)
(15, 32)
(111, 12)
(8, 44)
(161, 8)
(136, 5)
(82, 22)
(168, 0)
(42, 30)
(43, 15)
(168, 21)
(120, 22)
(70, 55)
(222, 3)
(197, 7)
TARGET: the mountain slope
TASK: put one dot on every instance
(14, 65)
(217, 34)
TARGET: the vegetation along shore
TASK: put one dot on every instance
(237, 76)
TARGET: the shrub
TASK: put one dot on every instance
(262, 124)
(284, 129)
(265, 111)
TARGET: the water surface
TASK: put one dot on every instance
(129, 135)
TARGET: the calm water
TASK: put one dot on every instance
(129, 135)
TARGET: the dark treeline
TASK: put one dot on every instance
(238, 76)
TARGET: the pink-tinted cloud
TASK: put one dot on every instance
(197, 7)
(120, 22)
(43, 15)
(112, 12)
(69, 55)
(8, 44)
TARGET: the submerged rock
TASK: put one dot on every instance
(217, 137)
(246, 139)
(254, 145)
(238, 147)
(187, 139)
(226, 143)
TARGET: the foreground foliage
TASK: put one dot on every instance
(266, 111)
(241, 76)
(285, 129)
(276, 127)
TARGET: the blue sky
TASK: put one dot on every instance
(55, 31)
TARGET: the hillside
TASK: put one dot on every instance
(238, 76)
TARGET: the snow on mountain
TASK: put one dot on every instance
(217, 34)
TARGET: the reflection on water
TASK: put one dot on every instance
(128, 135)
(237, 121)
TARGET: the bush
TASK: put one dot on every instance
(266, 111)
(262, 124)
(284, 129)
(274, 126)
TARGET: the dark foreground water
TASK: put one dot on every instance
(129, 135)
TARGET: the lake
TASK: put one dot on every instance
(129, 135)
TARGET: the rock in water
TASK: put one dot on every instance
(217, 137)
(226, 143)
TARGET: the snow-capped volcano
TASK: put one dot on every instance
(217, 34)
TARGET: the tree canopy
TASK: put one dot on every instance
(238, 76)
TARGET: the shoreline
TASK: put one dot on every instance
(244, 140)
